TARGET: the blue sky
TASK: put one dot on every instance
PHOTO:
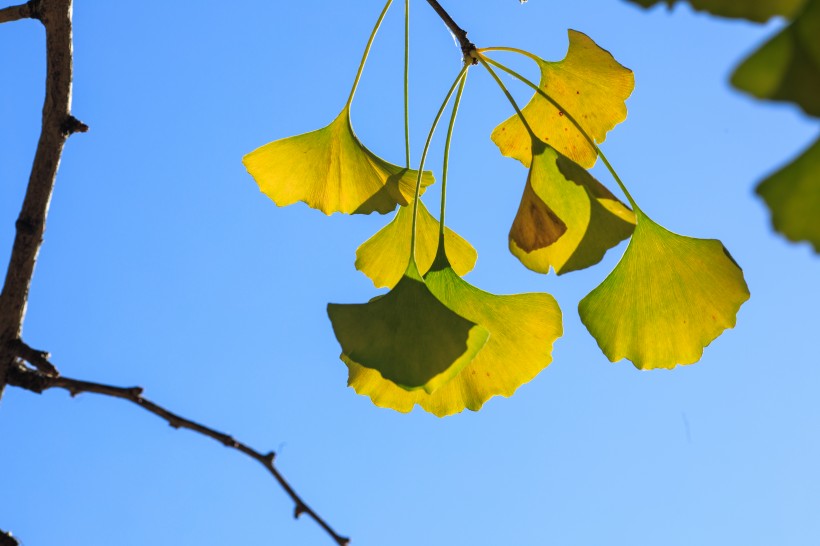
(165, 267)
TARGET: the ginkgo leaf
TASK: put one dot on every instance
(793, 195)
(407, 335)
(667, 299)
(332, 171)
(567, 220)
(522, 327)
(787, 68)
(384, 256)
(590, 84)
(754, 10)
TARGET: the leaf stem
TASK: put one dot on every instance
(424, 158)
(509, 96)
(367, 52)
(485, 60)
(523, 52)
(446, 166)
(407, 82)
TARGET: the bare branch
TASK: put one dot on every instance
(15, 13)
(38, 382)
(467, 47)
(58, 124)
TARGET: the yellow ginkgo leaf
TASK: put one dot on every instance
(787, 68)
(522, 328)
(793, 196)
(567, 220)
(667, 299)
(590, 84)
(407, 335)
(384, 256)
(332, 171)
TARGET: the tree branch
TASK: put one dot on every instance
(34, 381)
(15, 13)
(58, 125)
(467, 47)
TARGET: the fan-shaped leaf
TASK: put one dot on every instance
(787, 68)
(754, 10)
(384, 256)
(793, 196)
(567, 220)
(332, 171)
(407, 335)
(522, 327)
(667, 299)
(590, 84)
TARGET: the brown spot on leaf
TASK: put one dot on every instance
(536, 225)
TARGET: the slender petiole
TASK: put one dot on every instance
(367, 52)
(509, 96)
(446, 166)
(407, 82)
(511, 50)
(486, 61)
(424, 158)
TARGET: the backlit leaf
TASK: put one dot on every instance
(793, 195)
(590, 84)
(407, 335)
(567, 220)
(522, 327)
(787, 68)
(332, 171)
(754, 10)
(384, 256)
(667, 299)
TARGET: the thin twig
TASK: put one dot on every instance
(58, 124)
(34, 381)
(467, 47)
(15, 13)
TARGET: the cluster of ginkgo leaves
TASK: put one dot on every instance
(438, 342)
(786, 68)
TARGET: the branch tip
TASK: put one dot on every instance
(72, 125)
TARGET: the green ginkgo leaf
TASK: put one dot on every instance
(407, 335)
(667, 299)
(590, 84)
(787, 68)
(383, 256)
(522, 327)
(567, 220)
(332, 171)
(754, 10)
(793, 196)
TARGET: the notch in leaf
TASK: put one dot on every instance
(567, 220)
(590, 84)
(381, 257)
(407, 335)
(522, 330)
(667, 299)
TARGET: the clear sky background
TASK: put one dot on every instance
(165, 267)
